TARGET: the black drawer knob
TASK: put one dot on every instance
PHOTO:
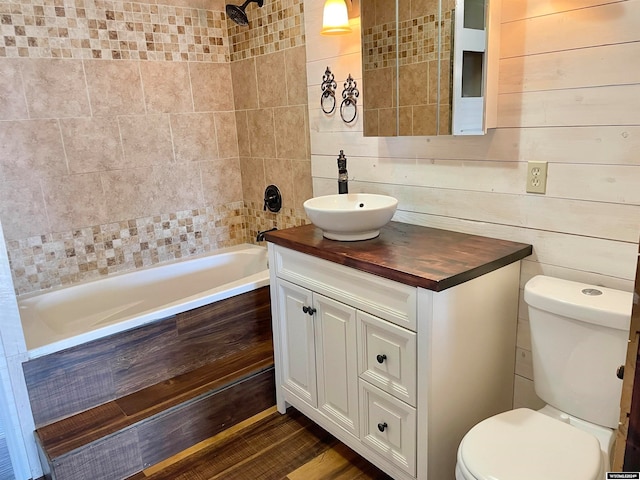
(381, 358)
(382, 426)
(308, 310)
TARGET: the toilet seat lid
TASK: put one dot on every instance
(523, 444)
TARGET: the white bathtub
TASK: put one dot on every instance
(68, 316)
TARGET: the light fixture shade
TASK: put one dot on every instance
(335, 18)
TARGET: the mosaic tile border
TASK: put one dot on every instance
(111, 29)
(278, 25)
(418, 42)
(63, 259)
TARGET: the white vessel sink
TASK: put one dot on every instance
(351, 216)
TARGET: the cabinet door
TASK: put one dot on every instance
(337, 362)
(297, 342)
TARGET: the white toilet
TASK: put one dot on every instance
(579, 339)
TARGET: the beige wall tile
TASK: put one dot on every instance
(445, 78)
(278, 172)
(291, 132)
(221, 181)
(405, 119)
(22, 209)
(146, 139)
(75, 201)
(261, 132)
(31, 149)
(12, 103)
(167, 88)
(92, 144)
(139, 192)
(242, 129)
(115, 87)
(421, 8)
(387, 121)
(245, 90)
(296, 75)
(55, 88)
(194, 137)
(226, 135)
(270, 75)
(253, 179)
(414, 91)
(378, 88)
(370, 122)
(176, 187)
(424, 120)
(385, 11)
(302, 184)
(211, 86)
(129, 193)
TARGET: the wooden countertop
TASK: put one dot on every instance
(417, 256)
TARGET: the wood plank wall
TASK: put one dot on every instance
(569, 94)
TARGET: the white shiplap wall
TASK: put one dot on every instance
(569, 94)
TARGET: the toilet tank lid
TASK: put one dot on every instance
(611, 308)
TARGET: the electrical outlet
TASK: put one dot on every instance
(536, 177)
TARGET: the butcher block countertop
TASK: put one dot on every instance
(417, 256)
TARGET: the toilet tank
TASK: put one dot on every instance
(579, 337)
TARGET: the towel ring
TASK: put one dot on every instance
(350, 96)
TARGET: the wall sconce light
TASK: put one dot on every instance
(336, 14)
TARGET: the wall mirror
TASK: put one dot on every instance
(426, 66)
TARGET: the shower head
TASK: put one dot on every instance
(236, 13)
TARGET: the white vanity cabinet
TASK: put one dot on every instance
(397, 372)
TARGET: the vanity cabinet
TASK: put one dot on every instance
(319, 362)
(397, 371)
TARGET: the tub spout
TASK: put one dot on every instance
(260, 237)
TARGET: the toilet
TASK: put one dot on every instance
(579, 339)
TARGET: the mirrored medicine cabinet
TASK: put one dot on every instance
(429, 66)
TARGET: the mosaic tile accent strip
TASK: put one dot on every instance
(259, 220)
(418, 42)
(111, 29)
(47, 261)
(278, 25)
(63, 259)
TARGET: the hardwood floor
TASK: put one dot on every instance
(268, 446)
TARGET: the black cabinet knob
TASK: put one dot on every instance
(381, 358)
(620, 372)
(382, 426)
(308, 310)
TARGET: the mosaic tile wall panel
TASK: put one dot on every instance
(278, 25)
(111, 29)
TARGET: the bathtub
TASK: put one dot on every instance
(68, 316)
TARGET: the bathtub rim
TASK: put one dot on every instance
(222, 292)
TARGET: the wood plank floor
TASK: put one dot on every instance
(269, 446)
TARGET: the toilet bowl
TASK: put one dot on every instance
(525, 444)
(579, 334)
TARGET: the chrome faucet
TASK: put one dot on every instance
(343, 179)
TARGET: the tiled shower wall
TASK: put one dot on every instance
(118, 140)
(268, 68)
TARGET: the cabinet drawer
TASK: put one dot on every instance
(387, 357)
(388, 426)
(392, 301)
